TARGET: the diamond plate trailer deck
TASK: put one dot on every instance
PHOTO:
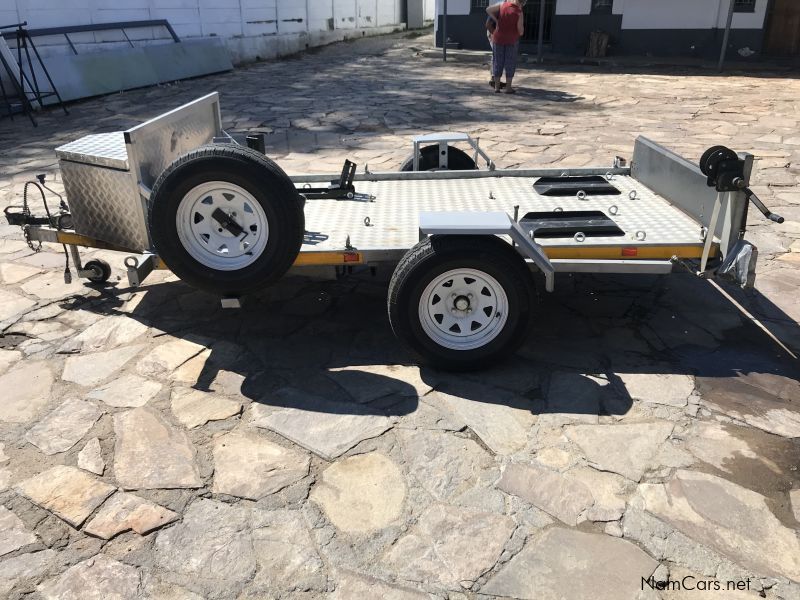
(161, 193)
(389, 225)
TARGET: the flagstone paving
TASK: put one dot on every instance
(155, 446)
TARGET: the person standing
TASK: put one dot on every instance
(510, 27)
(491, 25)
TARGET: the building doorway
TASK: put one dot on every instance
(782, 36)
(531, 15)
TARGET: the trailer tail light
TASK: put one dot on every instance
(630, 252)
(352, 257)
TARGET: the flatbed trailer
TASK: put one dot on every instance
(177, 192)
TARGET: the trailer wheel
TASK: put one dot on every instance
(226, 219)
(461, 302)
(457, 160)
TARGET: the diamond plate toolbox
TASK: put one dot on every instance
(102, 172)
(102, 192)
(105, 205)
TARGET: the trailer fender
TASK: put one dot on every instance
(488, 223)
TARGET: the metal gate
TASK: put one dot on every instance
(531, 15)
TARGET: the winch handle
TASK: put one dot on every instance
(750, 195)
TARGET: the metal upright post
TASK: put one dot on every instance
(725, 37)
(17, 85)
(444, 33)
(540, 51)
(47, 74)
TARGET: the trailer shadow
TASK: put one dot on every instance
(331, 341)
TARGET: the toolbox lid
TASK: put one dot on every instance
(101, 149)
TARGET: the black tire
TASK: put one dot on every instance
(439, 254)
(258, 175)
(457, 160)
(101, 270)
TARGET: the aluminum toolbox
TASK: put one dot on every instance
(102, 192)
(105, 174)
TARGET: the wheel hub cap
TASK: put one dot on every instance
(463, 309)
(461, 304)
(222, 226)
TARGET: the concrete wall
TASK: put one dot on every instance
(419, 13)
(250, 28)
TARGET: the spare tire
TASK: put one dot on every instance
(457, 160)
(226, 219)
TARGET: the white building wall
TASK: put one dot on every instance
(345, 12)
(573, 7)
(429, 10)
(454, 7)
(251, 28)
(686, 14)
(753, 20)
(367, 13)
(388, 13)
(671, 14)
(320, 15)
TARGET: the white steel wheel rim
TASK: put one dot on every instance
(207, 241)
(463, 309)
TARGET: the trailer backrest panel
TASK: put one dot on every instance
(674, 178)
(153, 145)
(681, 183)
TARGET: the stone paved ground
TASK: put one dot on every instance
(154, 446)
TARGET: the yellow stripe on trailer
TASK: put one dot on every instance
(353, 257)
(308, 259)
(75, 239)
(626, 252)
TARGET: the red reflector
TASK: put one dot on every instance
(352, 257)
(630, 252)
